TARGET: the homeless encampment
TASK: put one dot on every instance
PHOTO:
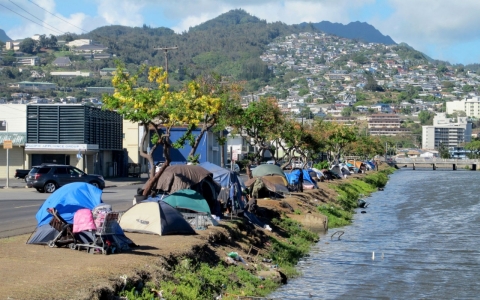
(188, 200)
(155, 217)
(230, 182)
(265, 185)
(67, 201)
(179, 177)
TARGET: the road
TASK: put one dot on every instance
(18, 206)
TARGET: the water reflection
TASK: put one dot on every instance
(425, 225)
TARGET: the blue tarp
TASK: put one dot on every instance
(293, 177)
(229, 181)
(308, 178)
(68, 199)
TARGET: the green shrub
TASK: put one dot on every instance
(337, 217)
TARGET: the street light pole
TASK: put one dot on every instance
(8, 165)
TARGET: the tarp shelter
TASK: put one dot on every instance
(230, 182)
(267, 169)
(155, 217)
(275, 184)
(188, 199)
(307, 178)
(179, 177)
(67, 201)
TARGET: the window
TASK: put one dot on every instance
(61, 171)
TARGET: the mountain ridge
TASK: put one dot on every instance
(354, 30)
(3, 36)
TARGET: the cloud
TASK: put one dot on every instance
(193, 13)
(121, 12)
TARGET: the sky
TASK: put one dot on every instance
(442, 29)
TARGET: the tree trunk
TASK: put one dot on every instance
(152, 181)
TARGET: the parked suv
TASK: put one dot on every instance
(49, 177)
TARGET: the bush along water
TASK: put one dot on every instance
(191, 279)
(340, 212)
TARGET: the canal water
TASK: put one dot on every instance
(423, 229)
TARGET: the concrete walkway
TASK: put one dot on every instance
(109, 182)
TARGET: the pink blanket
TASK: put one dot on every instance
(83, 220)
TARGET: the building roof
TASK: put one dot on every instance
(62, 61)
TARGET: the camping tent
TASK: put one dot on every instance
(275, 184)
(155, 217)
(188, 199)
(67, 201)
(179, 177)
(267, 169)
(337, 170)
(227, 180)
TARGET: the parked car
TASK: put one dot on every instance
(49, 177)
(21, 174)
(235, 169)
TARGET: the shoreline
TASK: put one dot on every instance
(38, 272)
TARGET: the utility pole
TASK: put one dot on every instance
(165, 50)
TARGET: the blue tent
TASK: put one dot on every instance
(67, 200)
(308, 178)
(230, 182)
(293, 177)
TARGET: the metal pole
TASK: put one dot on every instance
(8, 164)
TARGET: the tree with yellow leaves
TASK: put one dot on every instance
(158, 109)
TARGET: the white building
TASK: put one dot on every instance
(447, 132)
(15, 130)
(471, 106)
(78, 43)
(71, 74)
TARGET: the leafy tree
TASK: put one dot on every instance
(443, 151)
(359, 58)
(346, 111)
(426, 117)
(157, 109)
(28, 46)
(303, 91)
(260, 121)
(468, 88)
(336, 136)
(474, 148)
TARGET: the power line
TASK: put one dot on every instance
(33, 16)
(29, 19)
(56, 16)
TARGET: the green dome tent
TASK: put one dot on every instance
(267, 169)
(188, 199)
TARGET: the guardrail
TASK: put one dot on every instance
(436, 160)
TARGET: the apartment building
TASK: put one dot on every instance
(471, 106)
(385, 124)
(446, 131)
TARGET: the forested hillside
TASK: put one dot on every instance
(230, 45)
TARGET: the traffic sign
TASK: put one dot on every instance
(7, 144)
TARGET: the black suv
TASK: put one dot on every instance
(49, 177)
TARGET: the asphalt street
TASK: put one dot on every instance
(18, 205)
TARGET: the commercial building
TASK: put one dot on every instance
(446, 131)
(12, 128)
(83, 136)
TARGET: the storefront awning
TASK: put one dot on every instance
(17, 138)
